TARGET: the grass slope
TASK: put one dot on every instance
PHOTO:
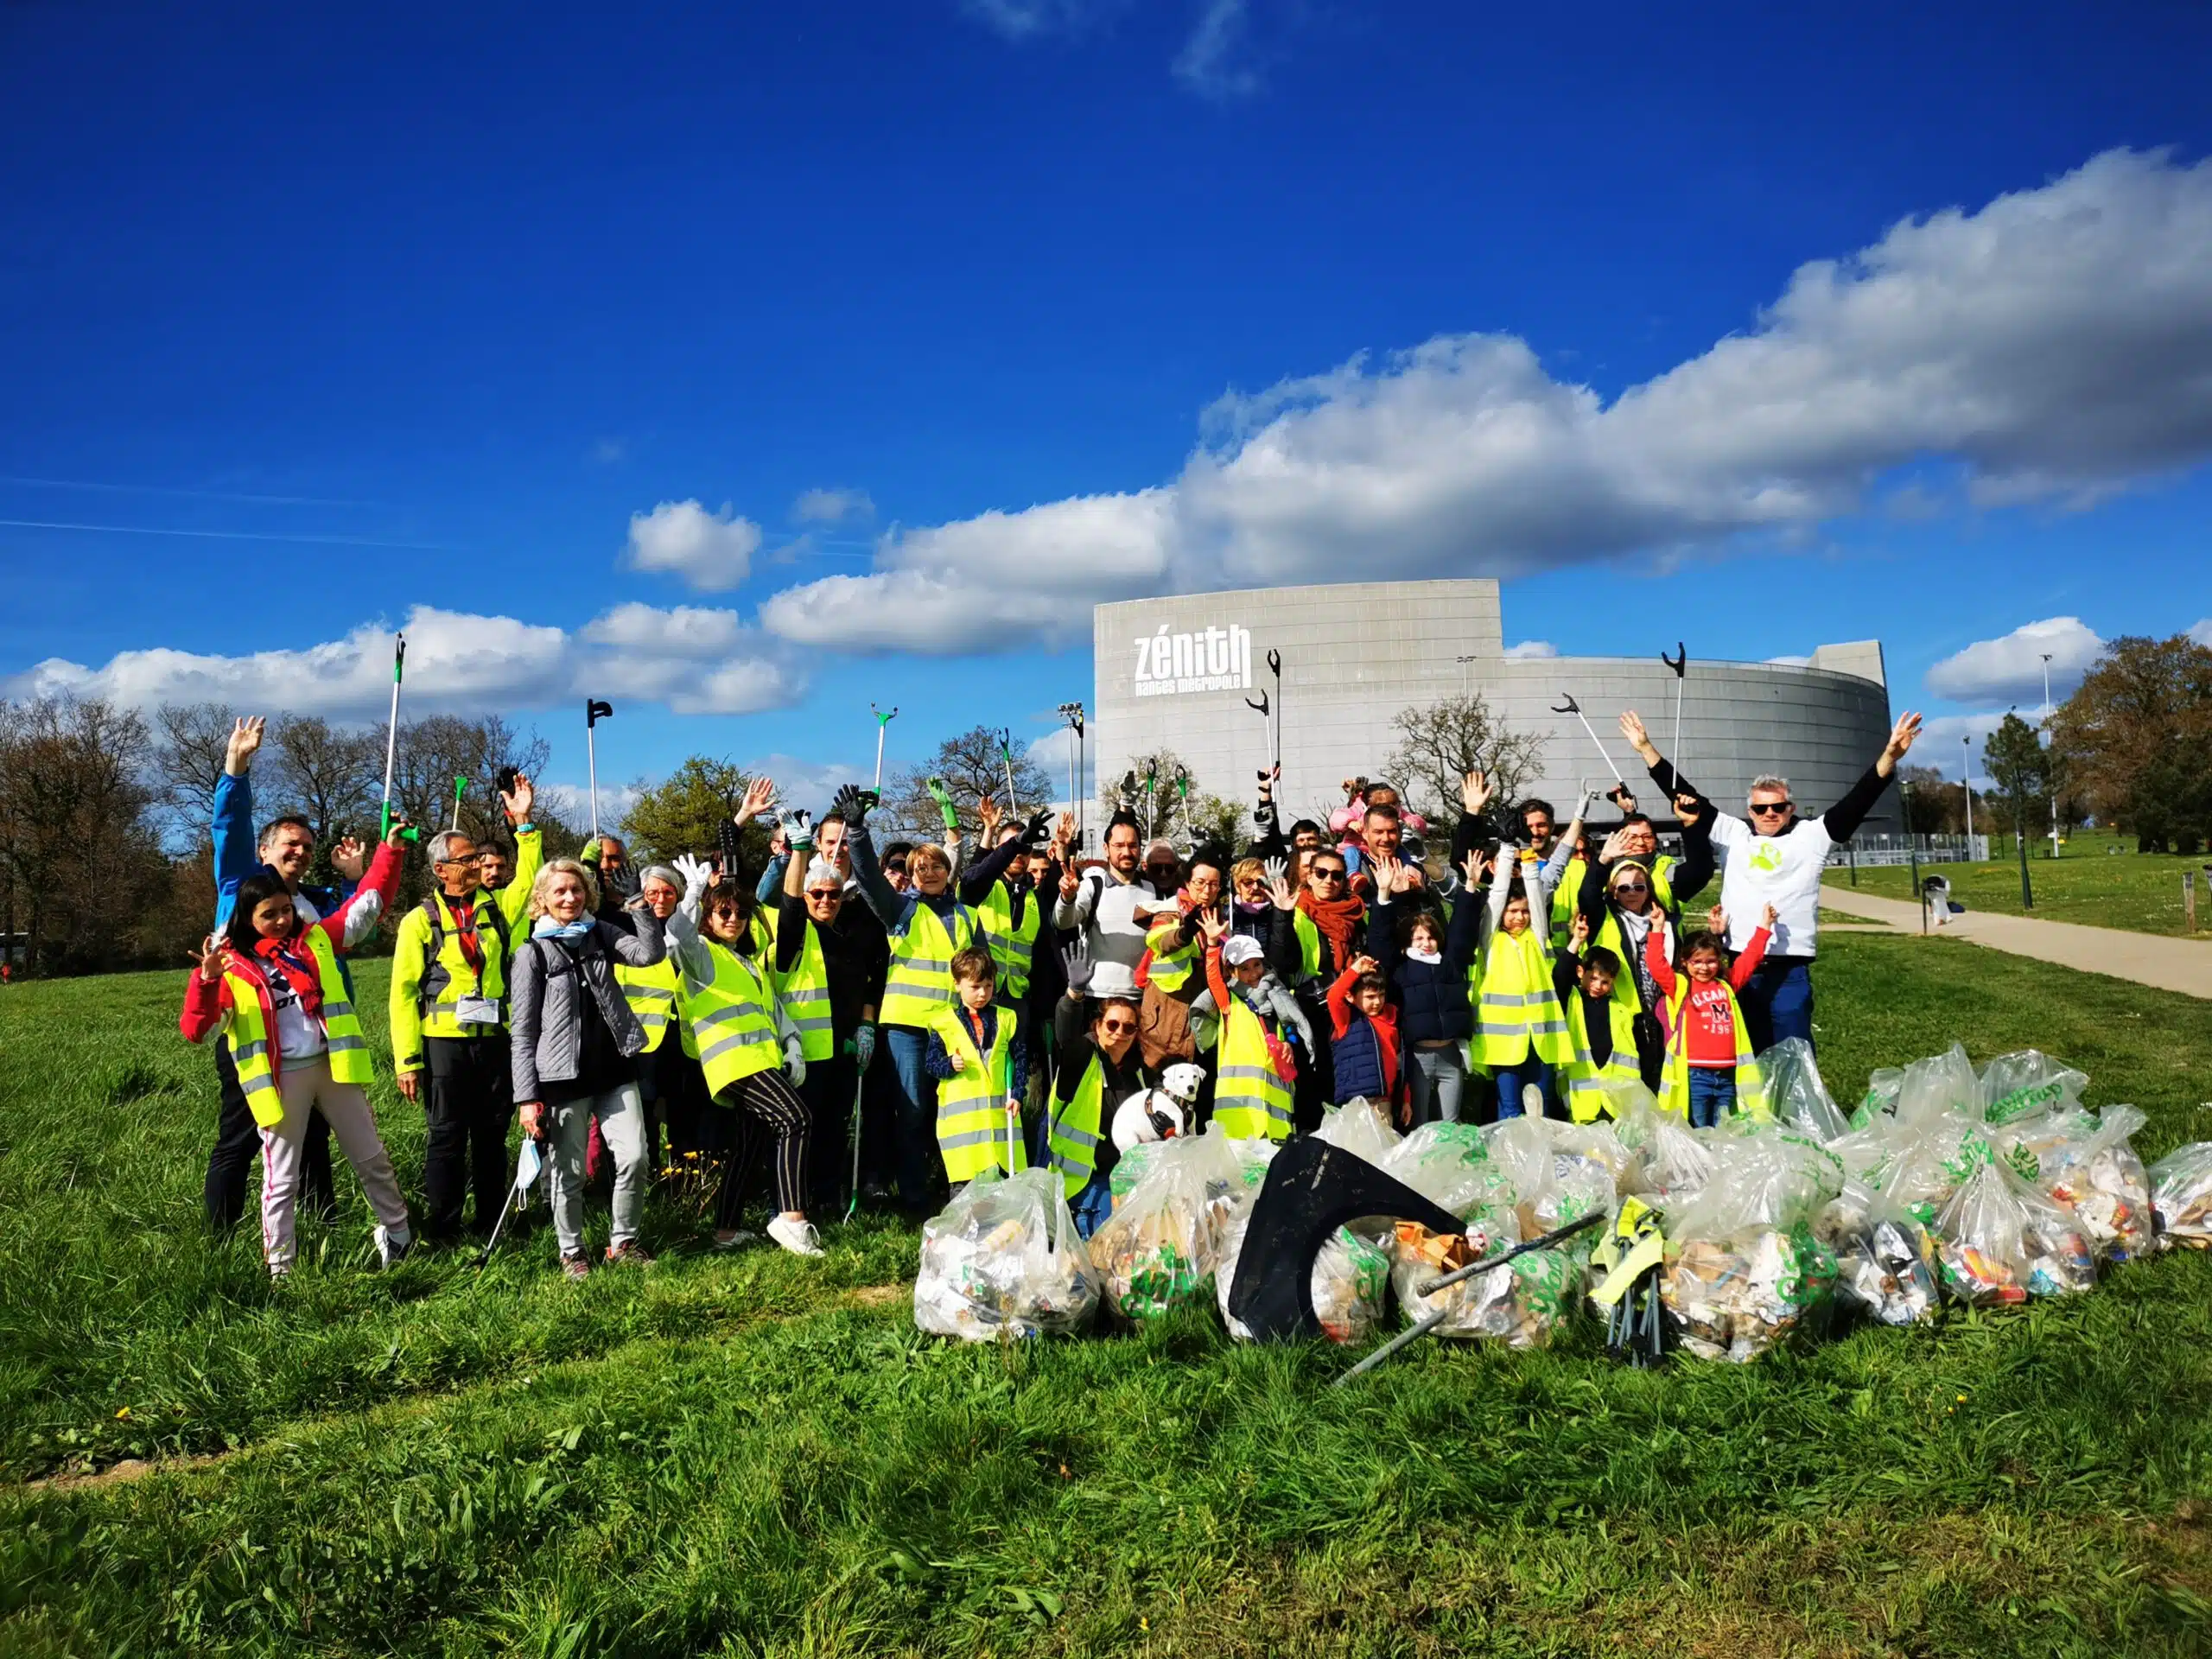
(2100, 882)
(754, 1454)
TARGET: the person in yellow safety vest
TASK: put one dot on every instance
(1520, 1028)
(495, 868)
(669, 1077)
(927, 927)
(746, 1046)
(1175, 946)
(1563, 871)
(982, 1070)
(450, 965)
(1001, 889)
(270, 984)
(1101, 1064)
(1254, 1072)
(1599, 1026)
(1710, 1068)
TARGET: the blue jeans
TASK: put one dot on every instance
(1778, 1003)
(914, 1116)
(1712, 1095)
(1437, 1075)
(1093, 1204)
(1511, 1079)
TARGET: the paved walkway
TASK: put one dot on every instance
(2183, 965)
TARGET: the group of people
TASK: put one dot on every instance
(964, 1012)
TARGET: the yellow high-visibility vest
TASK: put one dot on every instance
(972, 1131)
(253, 1045)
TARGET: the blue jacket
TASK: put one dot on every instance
(1432, 997)
(1357, 1059)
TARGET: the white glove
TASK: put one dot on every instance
(794, 1059)
(697, 874)
(1589, 801)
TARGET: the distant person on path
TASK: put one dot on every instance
(285, 847)
(574, 1051)
(1776, 858)
(269, 983)
(449, 1008)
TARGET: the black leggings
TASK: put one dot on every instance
(767, 1106)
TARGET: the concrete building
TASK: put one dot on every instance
(1176, 673)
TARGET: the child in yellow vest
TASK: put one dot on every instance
(982, 1070)
(1710, 1069)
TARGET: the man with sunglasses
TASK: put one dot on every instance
(1771, 857)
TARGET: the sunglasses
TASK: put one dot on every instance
(1772, 806)
(1631, 886)
(1117, 1028)
(1329, 875)
(826, 894)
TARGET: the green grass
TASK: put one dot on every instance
(754, 1454)
(2101, 881)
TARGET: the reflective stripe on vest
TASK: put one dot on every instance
(1250, 1100)
(733, 1019)
(918, 986)
(805, 991)
(1171, 969)
(652, 994)
(257, 1057)
(1518, 1013)
(1074, 1133)
(1750, 1081)
(1009, 944)
(446, 976)
(1585, 1078)
(971, 1113)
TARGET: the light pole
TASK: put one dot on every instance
(1966, 782)
(1072, 713)
(2050, 777)
(1465, 663)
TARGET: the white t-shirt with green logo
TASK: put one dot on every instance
(1783, 871)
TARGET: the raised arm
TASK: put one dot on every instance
(1842, 820)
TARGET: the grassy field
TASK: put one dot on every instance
(753, 1454)
(2100, 880)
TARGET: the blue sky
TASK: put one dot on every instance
(747, 364)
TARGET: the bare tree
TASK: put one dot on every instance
(1440, 743)
(187, 758)
(971, 766)
(1158, 789)
(329, 774)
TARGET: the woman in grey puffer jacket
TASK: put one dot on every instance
(573, 1042)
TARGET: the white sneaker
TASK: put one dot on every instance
(739, 1237)
(797, 1236)
(392, 1245)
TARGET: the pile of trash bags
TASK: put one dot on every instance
(1942, 1185)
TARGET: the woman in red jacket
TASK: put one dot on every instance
(269, 986)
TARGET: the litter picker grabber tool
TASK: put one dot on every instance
(391, 741)
(1271, 708)
(594, 712)
(882, 719)
(459, 788)
(528, 1162)
(1571, 707)
(852, 1198)
(1429, 1321)
(1680, 662)
(1072, 713)
(1006, 753)
(1312, 1189)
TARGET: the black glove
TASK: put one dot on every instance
(852, 804)
(1037, 833)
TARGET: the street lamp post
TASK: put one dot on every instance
(2050, 775)
(1466, 663)
(1966, 782)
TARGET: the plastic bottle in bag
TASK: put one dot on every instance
(2099, 1177)
(2001, 1240)
(1003, 1259)
(1744, 1267)
(2181, 1195)
(1163, 1244)
(1885, 1259)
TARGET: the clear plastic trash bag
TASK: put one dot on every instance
(1880, 1100)
(2013, 1085)
(1941, 1083)
(2099, 1177)
(1350, 1283)
(1003, 1259)
(1744, 1267)
(1885, 1259)
(1673, 1161)
(2000, 1239)
(1798, 1095)
(2181, 1195)
(1163, 1244)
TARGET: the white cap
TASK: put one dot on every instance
(1241, 948)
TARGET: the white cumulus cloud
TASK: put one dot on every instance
(2202, 631)
(2055, 344)
(697, 661)
(2010, 669)
(712, 552)
(1530, 650)
(832, 506)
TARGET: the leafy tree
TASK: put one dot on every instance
(972, 765)
(2021, 770)
(2142, 700)
(1440, 742)
(685, 813)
